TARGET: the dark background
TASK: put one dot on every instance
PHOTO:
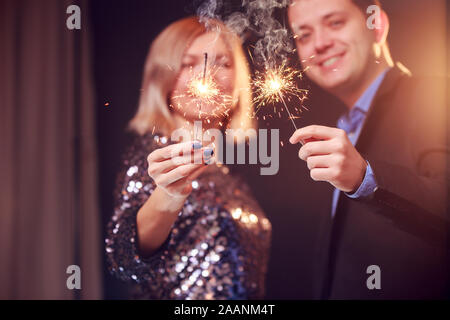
(123, 31)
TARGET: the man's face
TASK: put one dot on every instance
(333, 42)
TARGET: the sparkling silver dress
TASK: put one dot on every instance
(218, 247)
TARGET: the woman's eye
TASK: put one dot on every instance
(223, 64)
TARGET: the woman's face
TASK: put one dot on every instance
(185, 98)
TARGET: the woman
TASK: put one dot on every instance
(188, 231)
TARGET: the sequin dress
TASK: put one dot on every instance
(217, 249)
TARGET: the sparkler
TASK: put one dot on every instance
(202, 89)
(204, 68)
(275, 85)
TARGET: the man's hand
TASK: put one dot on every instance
(331, 157)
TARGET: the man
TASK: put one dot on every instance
(385, 235)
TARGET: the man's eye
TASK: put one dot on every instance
(302, 37)
(337, 23)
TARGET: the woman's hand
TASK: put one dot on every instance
(173, 168)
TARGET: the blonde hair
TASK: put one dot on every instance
(163, 64)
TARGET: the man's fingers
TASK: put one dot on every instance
(314, 132)
(315, 148)
(320, 174)
(318, 162)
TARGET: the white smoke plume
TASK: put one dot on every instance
(257, 16)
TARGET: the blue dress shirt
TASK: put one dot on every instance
(352, 123)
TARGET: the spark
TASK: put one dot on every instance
(203, 90)
(276, 85)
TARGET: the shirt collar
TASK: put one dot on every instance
(365, 100)
(352, 121)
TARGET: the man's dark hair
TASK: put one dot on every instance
(364, 4)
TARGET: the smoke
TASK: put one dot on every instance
(274, 43)
(210, 9)
(255, 16)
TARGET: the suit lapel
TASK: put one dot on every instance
(379, 103)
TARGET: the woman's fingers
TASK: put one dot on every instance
(176, 174)
(196, 173)
(187, 172)
(198, 157)
(179, 149)
(175, 167)
(184, 186)
(156, 168)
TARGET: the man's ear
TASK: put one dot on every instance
(382, 30)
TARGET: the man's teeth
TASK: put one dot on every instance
(329, 62)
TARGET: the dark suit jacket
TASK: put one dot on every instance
(403, 227)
